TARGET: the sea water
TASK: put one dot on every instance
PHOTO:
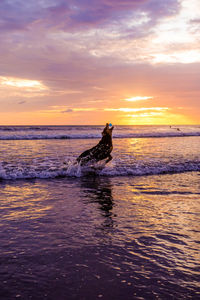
(130, 230)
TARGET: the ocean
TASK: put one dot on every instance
(126, 230)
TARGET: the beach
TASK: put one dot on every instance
(126, 230)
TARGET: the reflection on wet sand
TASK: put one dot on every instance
(92, 235)
(99, 190)
(23, 201)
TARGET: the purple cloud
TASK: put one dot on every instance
(68, 15)
(195, 21)
(16, 15)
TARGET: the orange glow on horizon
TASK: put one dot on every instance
(127, 109)
(92, 117)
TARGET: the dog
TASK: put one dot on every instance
(101, 151)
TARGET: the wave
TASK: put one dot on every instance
(26, 128)
(48, 128)
(96, 136)
(70, 168)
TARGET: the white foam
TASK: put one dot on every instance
(73, 169)
(83, 135)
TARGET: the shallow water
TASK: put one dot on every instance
(88, 132)
(45, 158)
(68, 233)
(90, 238)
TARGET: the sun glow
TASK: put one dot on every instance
(185, 57)
(126, 109)
(22, 83)
(138, 98)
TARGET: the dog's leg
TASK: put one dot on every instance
(109, 158)
(83, 155)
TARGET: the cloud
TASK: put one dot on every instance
(85, 109)
(19, 15)
(196, 21)
(138, 98)
(54, 33)
(108, 50)
(22, 83)
(128, 109)
(22, 102)
(67, 110)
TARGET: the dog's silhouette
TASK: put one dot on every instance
(101, 151)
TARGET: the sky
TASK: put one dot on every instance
(132, 62)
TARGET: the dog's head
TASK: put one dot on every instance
(108, 130)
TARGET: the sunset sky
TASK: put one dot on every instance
(97, 61)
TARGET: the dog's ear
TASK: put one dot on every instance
(112, 128)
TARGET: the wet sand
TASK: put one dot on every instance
(101, 238)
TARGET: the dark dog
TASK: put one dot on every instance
(101, 151)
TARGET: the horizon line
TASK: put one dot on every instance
(102, 125)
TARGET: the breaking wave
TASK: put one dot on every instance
(95, 136)
(50, 169)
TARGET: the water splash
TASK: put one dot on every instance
(71, 168)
